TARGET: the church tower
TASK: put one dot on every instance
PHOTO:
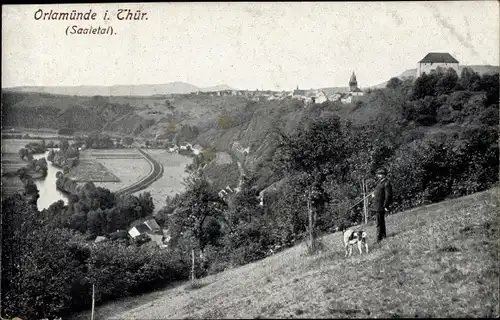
(353, 83)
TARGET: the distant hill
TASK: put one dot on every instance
(121, 90)
(481, 69)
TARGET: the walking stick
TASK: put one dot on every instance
(93, 302)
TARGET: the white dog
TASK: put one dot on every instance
(352, 237)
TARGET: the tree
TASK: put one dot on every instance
(425, 85)
(490, 84)
(51, 155)
(394, 83)
(96, 222)
(146, 203)
(319, 149)
(128, 141)
(41, 265)
(64, 145)
(447, 82)
(199, 202)
(23, 152)
(469, 79)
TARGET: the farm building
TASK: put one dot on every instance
(149, 228)
(152, 225)
(138, 230)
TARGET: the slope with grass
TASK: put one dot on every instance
(438, 260)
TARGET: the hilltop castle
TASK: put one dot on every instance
(434, 60)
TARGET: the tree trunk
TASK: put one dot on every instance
(93, 302)
(365, 202)
(312, 238)
(192, 265)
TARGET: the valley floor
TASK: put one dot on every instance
(439, 260)
(171, 182)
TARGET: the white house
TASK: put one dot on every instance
(146, 227)
(138, 230)
(152, 224)
(346, 99)
(196, 149)
(320, 97)
(173, 149)
(433, 60)
(334, 96)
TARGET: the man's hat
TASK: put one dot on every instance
(381, 171)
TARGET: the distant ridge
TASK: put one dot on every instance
(120, 90)
(481, 69)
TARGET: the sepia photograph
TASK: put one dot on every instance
(244, 160)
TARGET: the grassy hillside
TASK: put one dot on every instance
(439, 260)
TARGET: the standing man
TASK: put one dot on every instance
(382, 199)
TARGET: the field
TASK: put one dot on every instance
(14, 145)
(125, 164)
(91, 170)
(171, 181)
(11, 185)
(439, 260)
(10, 163)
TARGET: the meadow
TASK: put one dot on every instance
(125, 164)
(439, 260)
(171, 182)
(10, 164)
(14, 145)
(91, 171)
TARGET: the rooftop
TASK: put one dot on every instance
(142, 228)
(438, 57)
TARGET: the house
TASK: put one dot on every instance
(346, 99)
(173, 148)
(434, 60)
(152, 225)
(320, 97)
(138, 230)
(148, 228)
(99, 239)
(334, 96)
(299, 94)
(196, 149)
(166, 235)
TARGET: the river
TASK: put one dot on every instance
(47, 187)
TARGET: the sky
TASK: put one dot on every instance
(273, 46)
